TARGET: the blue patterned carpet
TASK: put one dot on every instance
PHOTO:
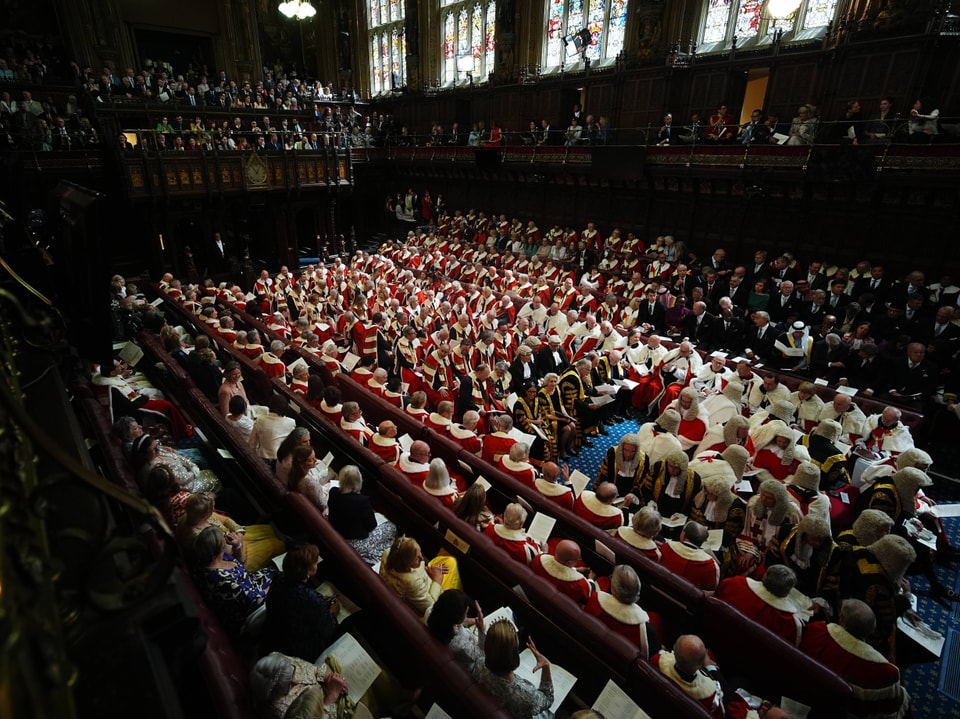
(921, 680)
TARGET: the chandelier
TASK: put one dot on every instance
(299, 9)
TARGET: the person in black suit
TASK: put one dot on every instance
(783, 272)
(915, 283)
(912, 380)
(864, 368)
(784, 304)
(737, 290)
(813, 312)
(876, 284)
(652, 315)
(718, 263)
(552, 358)
(665, 133)
(941, 336)
(760, 338)
(760, 269)
(837, 298)
(698, 326)
(816, 280)
(523, 369)
(917, 316)
(727, 332)
(585, 259)
(683, 282)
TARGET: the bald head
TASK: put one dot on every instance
(607, 492)
(690, 654)
(567, 552)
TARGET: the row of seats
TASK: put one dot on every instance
(544, 611)
(681, 604)
(387, 617)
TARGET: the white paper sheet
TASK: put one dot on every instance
(541, 526)
(714, 540)
(358, 667)
(563, 680)
(349, 361)
(578, 480)
(614, 703)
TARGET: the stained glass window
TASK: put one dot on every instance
(554, 32)
(819, 13)
(617, 28)
(748, 18)
(750, 23)
(605, 19)
(784, 24)
(387, 45)
(718, 15)
(468, 31)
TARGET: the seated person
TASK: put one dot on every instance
(384, 443)
(233, 593)
(352, 423)
(465, 433)
(511, 536)
(516, 463)
(448, 622)
(671, 485)
(498, 442)
(441, 420)
(774, 603)
(496, 673)
(598, 507)
(685, 667)
(643, 532)
(415, 464)
(300, 621)
(618, 609)
(549, 484)
(439, 484)
(842, 648)
(565, 570)
(402, 568)
(352, 515)
(623, 464)
(277, 682)
(686, 558)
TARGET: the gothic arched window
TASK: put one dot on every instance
(388, 46)
(469, 39)
(755, 22)
(606, 21)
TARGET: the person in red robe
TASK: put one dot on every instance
(618, 609)
(598, 507)
(511, 536)
(561, 570)
(549, 485)
(687, 559)
(416, 463)
(842, 648)
(770, 602)
(384, 443)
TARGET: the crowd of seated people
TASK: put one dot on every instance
(48, 125)
(919, 125)
(436, 311)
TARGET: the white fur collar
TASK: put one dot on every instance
(551, 489)
(384, 441)
(458, 431)
(784, 604)
(691, 554)
(637, 540)
(449, 489)
(439, 419)
(512, 535)
(406, 465)
(854, 646)
(512, 466)
(625, 613)
(698, 689)
(559, 571)
(593, 504)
